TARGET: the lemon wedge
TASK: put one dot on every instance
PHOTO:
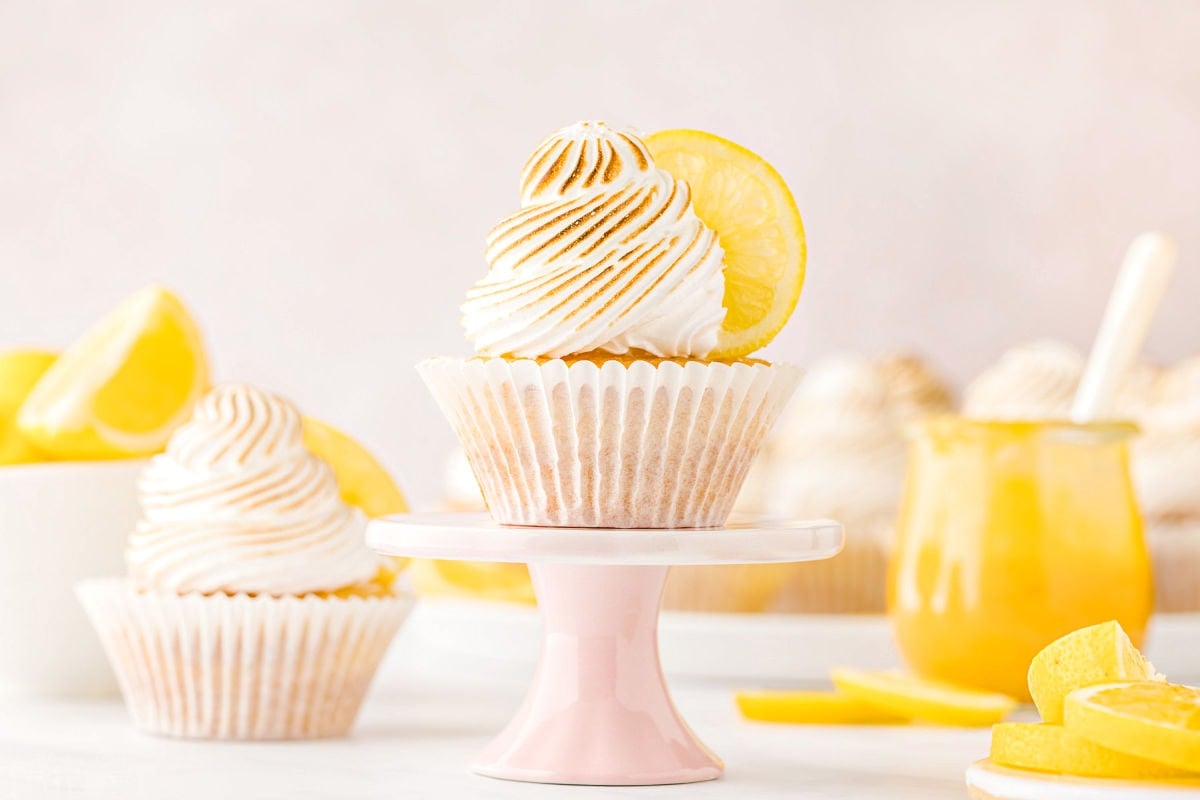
(1148, 719)
(1097, 654)
(123, 388)
(507, 583)
(747, 203)
(363, 481)
(20, 371)
(812, 708)
(919, 699)
(1053, 748)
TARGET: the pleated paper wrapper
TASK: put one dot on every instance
(609, 445)
(242, 667)
(1175, 550)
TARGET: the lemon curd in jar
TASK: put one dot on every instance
(1010, 535)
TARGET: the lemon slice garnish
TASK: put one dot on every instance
(747, 203)
(362, 480)
(124, 387)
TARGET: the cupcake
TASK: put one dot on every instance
(840, 453)
(253, 609)
(915, 389)
(605, 391)
(1033, 381)
(1166, 472)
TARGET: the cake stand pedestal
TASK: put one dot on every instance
(598, 712)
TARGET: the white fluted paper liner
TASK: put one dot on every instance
(609, 445)
(1175, 549)
(242, 667)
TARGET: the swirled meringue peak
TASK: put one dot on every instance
(238, 504)
(605, 253)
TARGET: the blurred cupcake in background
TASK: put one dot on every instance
(507, 583)
(1036, 380)
(840, 453)
(253, 608)
(1166, 472)
(915, 388)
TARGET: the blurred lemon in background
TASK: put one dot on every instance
(363, 481)
(124, 387)
(19, 372)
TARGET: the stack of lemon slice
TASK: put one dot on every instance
(1105, 714)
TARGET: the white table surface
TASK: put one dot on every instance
(424, 720)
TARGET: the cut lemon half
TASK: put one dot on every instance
(919, 699)
(1053, 748)
(1097, 654)
(507, 583)
(20, 371)
(812, 708)
(747, 203)
(1156, 721)
(123, 388)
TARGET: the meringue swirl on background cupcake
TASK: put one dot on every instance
(1036, 380)
(606, 253)
(238, 504)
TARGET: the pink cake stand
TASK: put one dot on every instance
(599, 712)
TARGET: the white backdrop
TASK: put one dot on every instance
(316, 178)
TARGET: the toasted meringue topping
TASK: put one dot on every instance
(238, 504)
(606, 253)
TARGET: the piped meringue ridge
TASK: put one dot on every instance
(606, 253)
(238, 504)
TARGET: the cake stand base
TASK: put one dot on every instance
(599, 712)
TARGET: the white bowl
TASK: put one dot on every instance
(59, 523)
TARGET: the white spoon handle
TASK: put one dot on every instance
(1135, 297)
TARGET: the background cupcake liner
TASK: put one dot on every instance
(853, 582)
(1175, 549)
(609, 445)
(242, 667)
(738, 588)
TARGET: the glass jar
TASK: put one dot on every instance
(1010, 535)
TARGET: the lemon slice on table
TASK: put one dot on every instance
(123, 388)
(812, 708)
(1097, 654)
(1055, 749)
(747, 203)
(1156, 721)
(920, 699)
(20, 371)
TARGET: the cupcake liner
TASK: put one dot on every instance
(736, 588)
(1175, 550)
(609, 445)
(242, 667)
(853, 582)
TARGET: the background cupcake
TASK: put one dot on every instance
(840, 453)
(1166, 473)
(1036, 380)
(253, 608)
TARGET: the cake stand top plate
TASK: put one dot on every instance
(468, 536)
